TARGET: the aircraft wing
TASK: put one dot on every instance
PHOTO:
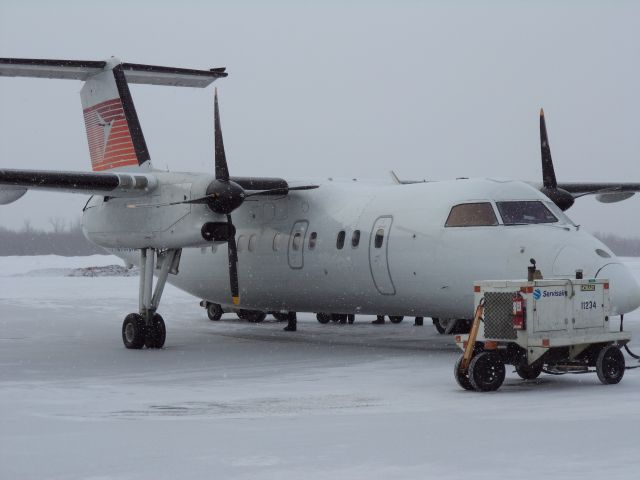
(15, 183)
(604, 192)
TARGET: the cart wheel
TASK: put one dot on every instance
(461, 377)
(610, 365)
(214, 312)
(486, 372)
(529, 372)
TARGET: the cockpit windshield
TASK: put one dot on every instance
(562, 217)
(472, 215)
(525, 212)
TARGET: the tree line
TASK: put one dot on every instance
(64, 239)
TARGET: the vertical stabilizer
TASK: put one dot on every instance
(113, 130)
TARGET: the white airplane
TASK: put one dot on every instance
(345, 247)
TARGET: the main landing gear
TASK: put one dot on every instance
(215, 312)
(147, 328)
(446, 326)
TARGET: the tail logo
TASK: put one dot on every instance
(110, 143)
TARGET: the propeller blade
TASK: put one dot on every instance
(222, 171)
(282, 191)
(233, 266)
(548, 173)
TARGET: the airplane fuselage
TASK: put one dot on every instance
(354, 247)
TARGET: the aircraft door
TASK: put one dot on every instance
(296, 244)
(379, 256)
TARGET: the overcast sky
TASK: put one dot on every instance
(433, 90)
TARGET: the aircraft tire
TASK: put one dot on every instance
(396, 318)
(252, 316)
(281, 317)
(156, 333)
(133, 331)
(463, 326)
(323, 317)
(436, 323)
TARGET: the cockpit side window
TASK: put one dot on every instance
(527, 212)
(472, 215)
(562, 217)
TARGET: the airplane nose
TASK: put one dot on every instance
(624, 290)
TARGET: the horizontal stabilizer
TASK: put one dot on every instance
(83, 69)
(175, 77)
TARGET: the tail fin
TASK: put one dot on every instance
(113, 130)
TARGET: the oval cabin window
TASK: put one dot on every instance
(297, 241)
(355, 239)
(379, 240)
(241, 242)
(340, 240)
(253, 239)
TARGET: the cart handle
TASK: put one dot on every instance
(473, 334)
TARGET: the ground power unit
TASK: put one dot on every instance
(559, 326)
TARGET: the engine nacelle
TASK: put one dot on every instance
(148, 221)
(9, 194)
(614, 197)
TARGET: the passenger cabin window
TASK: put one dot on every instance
(340, 240)
(241, 242)
(523, 213)
(472, 215)
(297, 241)
(355, 238)
(313, 238)
(379, 239)
(253, 239)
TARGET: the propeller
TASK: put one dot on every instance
(560, 197)
(223, 196)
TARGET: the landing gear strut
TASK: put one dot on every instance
(147, 327)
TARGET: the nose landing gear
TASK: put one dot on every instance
(147, 327)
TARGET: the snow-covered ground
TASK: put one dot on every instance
(235, 400)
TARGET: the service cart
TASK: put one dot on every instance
(558, 326)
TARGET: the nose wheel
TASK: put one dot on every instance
(147, 328)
